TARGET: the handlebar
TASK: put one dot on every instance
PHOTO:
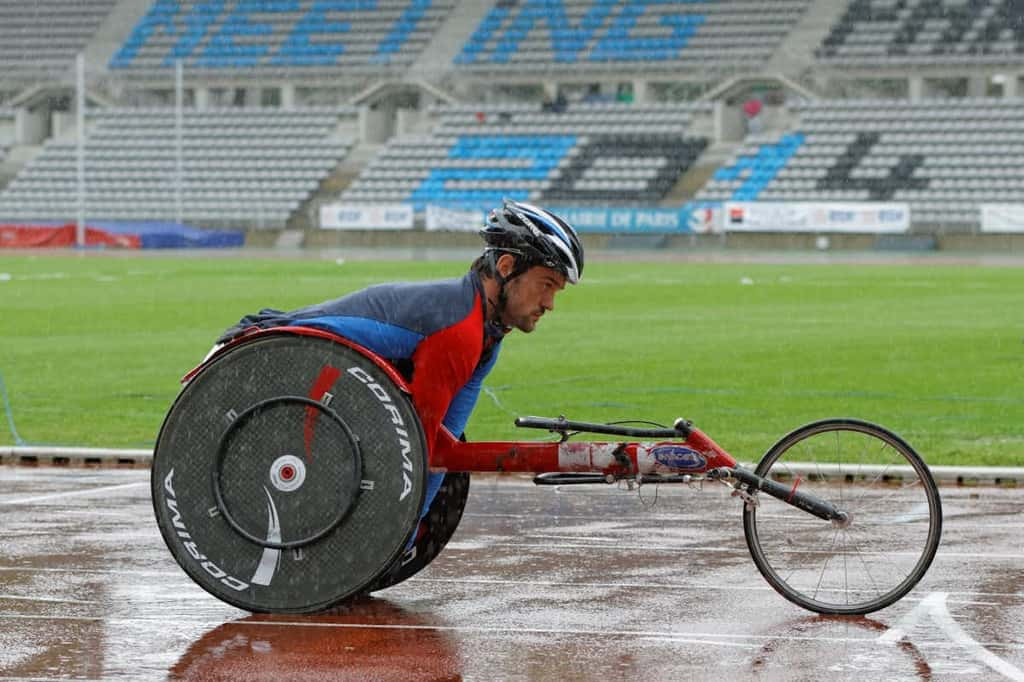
(681, 428)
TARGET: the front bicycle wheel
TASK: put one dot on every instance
(881, 549)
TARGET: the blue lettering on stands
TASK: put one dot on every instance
(567, 40)
(403, 26)
(497, 37)
(299, 50)
(541, 154)
(222, 50)
(617, 45)
(756, 171)
(197, 23)
(159, 19)
(215, 33)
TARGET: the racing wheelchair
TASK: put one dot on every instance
(290, 474)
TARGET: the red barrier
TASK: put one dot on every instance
(57, 236)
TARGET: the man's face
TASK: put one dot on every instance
(530, 295)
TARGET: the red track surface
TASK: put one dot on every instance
(538, 583)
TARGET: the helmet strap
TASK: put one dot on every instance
(498, 306)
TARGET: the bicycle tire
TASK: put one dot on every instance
(891, 498)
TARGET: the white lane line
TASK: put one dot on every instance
(934, 606)
(71, 493)
(619, 546)
(666, 586)
(694, 637)
(88, 571)
(85, 619)
(96, 513)
(762, 587)
(713, 638)
(49, 600)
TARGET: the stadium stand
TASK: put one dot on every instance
(7, 122)
(391, 62)
(281, 34)
(942, 157)
(561, 34)
(608, 152)
(256, 166)
(41, 38)
(900, 32)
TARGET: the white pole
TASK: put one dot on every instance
(80, 122)
(179, 117)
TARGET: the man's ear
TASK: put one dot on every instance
(505, 264)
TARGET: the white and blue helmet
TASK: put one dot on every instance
(537, 236)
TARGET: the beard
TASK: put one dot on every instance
(527, 323)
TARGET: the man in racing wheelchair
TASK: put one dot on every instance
(444, 337)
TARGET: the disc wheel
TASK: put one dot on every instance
(433, 533)
(289, 474)
(883, 547)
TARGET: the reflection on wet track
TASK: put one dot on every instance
(538, 583)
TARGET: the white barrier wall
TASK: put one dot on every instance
(1002, 218)
(779, 216)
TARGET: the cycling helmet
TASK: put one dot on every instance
(536, 237)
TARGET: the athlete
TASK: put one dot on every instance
(444, 336)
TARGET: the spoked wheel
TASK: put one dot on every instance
(875, 555)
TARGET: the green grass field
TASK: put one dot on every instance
(92, 346)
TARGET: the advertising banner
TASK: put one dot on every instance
(705, 218)
(1002, 217)
(17, 236)
(780, 216)
(454, 219)
(627, 220)
(698, 218)
(366, 217)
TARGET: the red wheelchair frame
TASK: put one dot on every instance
(684, 454)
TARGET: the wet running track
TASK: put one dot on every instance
(581, 583)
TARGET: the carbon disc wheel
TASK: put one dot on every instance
(433, 532)
(289, 474)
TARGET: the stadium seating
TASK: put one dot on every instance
(942, 157)
(7, 119)
(561, 34)
(281, 34)
(892, 33)
(614, 154)
(251, 166)
(39, 39)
